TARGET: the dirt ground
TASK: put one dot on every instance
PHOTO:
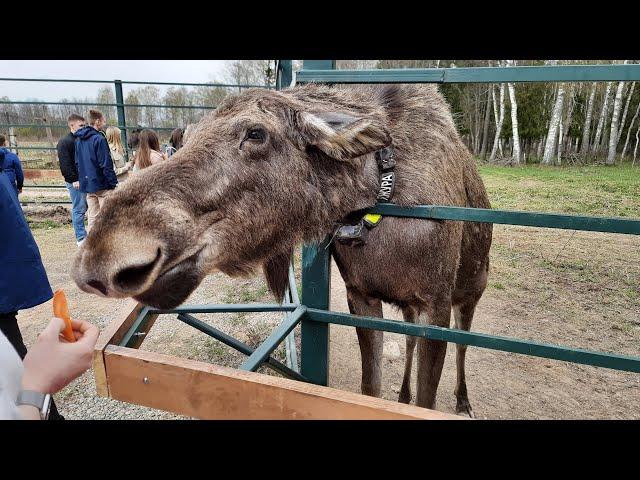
(569, 288)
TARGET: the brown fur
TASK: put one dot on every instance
(233, 203)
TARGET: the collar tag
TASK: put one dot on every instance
(385, 159)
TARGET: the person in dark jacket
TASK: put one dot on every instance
(10, 166)
(23, 280)
(95, 167)
(67, 158)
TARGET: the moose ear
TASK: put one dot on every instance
(340, 135)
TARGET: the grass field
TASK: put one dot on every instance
(589, 190)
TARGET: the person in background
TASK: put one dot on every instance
(120, 164)
(148, 150)
(95, 167)
(175, 142)
(10, 165)
(67, 158)
(23, 279)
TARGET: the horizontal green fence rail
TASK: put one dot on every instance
(186, 84)
(510, 217)
(55, 125)
(31, 148)
(493, 342)
(226, 308)
(127, 105)
(559, 73)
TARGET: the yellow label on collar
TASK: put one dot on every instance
(372, 218)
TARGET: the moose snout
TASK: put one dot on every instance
(120, 271)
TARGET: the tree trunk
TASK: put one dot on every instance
(629, 131)
(626, 109)
(635, 150)
(514, 124)
(485, 128)
(603, 115)
(549, 147)
(613, 135)
(496, 140)
(560, 139)
(540, 145)
(567, 123)
(587, 122)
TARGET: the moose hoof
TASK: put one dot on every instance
(464, 409)
(405, 396)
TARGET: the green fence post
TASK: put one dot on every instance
(122, 120)
(316, 275)
(314, 336)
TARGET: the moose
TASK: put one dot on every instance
(268, 170)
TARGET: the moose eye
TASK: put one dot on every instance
(256, 134)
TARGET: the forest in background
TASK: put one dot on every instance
(514, 123)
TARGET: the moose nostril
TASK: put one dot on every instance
(132, 277)
(98, 286)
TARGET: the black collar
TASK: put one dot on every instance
(386, 166)
(353, 228)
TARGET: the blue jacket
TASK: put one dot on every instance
(10, 165)
(23, 280)
(95, 167)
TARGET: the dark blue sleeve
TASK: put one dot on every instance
(19, 174)
(105, 162)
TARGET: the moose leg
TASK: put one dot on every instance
(431, 354)
(405, 391)
(463, 315)
(370, 342)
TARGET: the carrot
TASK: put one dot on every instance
(61, 310)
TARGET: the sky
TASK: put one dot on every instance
(193, 71)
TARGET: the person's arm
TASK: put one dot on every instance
(19, 174)
(52, 362)
(106, 163)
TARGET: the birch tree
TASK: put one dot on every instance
(635, 150)
(613, 135)
(587, 122)
(633, 120)
(549, 147)
(485, 129)
(603, 115)
(514, 118)
(626, 109)
(569, 118)
(499, 121)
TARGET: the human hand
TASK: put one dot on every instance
(76, 185)
(52, 362)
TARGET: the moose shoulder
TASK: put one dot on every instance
(270, 169)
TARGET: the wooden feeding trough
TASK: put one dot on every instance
(204, 391)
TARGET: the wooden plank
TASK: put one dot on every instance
(207, 391)
(123, 318)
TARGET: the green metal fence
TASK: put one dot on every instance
(313, 314)
(315, 283)
(120, 104)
